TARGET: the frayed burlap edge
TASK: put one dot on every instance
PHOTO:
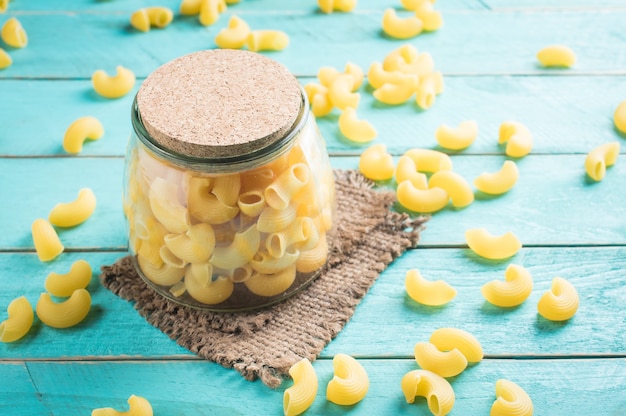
(266, 343)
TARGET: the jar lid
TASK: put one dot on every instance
(219, 103)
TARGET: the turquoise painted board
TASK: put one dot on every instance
(542, 103)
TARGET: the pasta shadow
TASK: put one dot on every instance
(426, 310)
(489, 308)
(481, 260)
(545, 325)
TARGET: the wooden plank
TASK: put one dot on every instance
(560, 5)
(201, 388)
(18, 396)
(93, 41)
(114, 329)
(543, 104)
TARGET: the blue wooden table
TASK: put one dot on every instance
(570, 227)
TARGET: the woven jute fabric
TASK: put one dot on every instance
(266, 343)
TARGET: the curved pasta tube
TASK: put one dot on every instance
(194, 246)
(13, 34)
(436, 389)
(210, 11)
(163, 197)
(401, 28)
(359, 131)
(436, 78)
(113, 86)
(407, 171)
(272, 220)
(279, 193)
(619, 117)
(559, 303)
(486, 245)
(516, 288)
(376, 164)
(445, 363)
(455, 185)
(4, 5)
(427, 160)
(251, 203)
(314, 259)
(46, 240)
(210, 293)
(511, 399)
(421, 65)
(413, 4)
(421, 200)
(64, 314)
(226, 188)
(327, 75)
(499, 182)
(350, 382)
(397, 93)
(234, 36)
(301, 394)
(63, 285)
(427, 292)
(5, 59)
(457, 138)
(447, 339)
(263, 263)
(328, 6)
(267, 40)
(19, 322)
(84, 128)
(271, 284)
(204, 206)
(599, 158)
(138, 406)
(257, 179)
(397, 59)
(518, 139)
(190, 7)
(319, 99)
(75, 212)
(377, 76)
(356, 72)
(163, 275)
(425, 94)
(340, 92)
(243, 247)
(160, 17)
(556, 56)
(140, 20)
(431, 19)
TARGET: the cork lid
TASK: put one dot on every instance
(219, 103)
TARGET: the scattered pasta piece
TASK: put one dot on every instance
(619, 117)
(407, 170)
(113, 86)
(140, 20)
(13, 34)
(84, 128)
(445, 363)
(436, 389)
(457, 138)
(210, 11)
(319, 99)
(328, 6)
(300, 396)
(190, 7)
(64, 314)
(516, 288)
(421, 200)
(427, 160)
(427, 292)
(556, 56)
(5, 59)
(63, 285)
(46, 240)
(431, 19)
(400, 58)
(350, 381)
(519, 141)
(267, 40)
(498, 182)
(447, 339)
(486, 245)
(559, 303)
(20, 320)
(235, 35)
(397, 93)
(511, 399)
(158, 17)
(413, 4)
(357, 74)
(377, 76)
(4, 5)
(359, 131)
(600, 158)
(76, 212)
(455, 185)
(376, 164)
(138, 406)
(401, 28)
(340, 92)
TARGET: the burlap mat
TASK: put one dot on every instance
(265, 343)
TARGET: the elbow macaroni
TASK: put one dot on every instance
(406, 170)
(13, 34)
(560, 303)
(267, 40)
(444, 363)
(63, 285)
(272, 284)
(426, 292)
(399, 92)
(46, 240)
(350, 382)
(210, 11)
(75, 212)
(5, 59)
(499, 182)
(138, 406)
(457, 138)
(158, 17)
(377, 76)
(511, 399)
(234, 36)
(64, 314)
(431, 19)
(401, 28)
(201, 287)
(436, 389)
(421, 200)
(600, 158)
(113, 86)
(340, 92)
(486, 245)
(516, 288)
(519, 141)
(556, 56)
(619, 117)
(300, 396)
(19, 322)
(427, 160)
(376, 164)
(328, 6)
(455, 185)
(447, 339)
(84, 128)
(359, 131)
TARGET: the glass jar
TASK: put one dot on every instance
(229, 197)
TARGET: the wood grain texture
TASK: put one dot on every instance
(202, 388)
(102, 41)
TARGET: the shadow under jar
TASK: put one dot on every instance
(229, 194)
